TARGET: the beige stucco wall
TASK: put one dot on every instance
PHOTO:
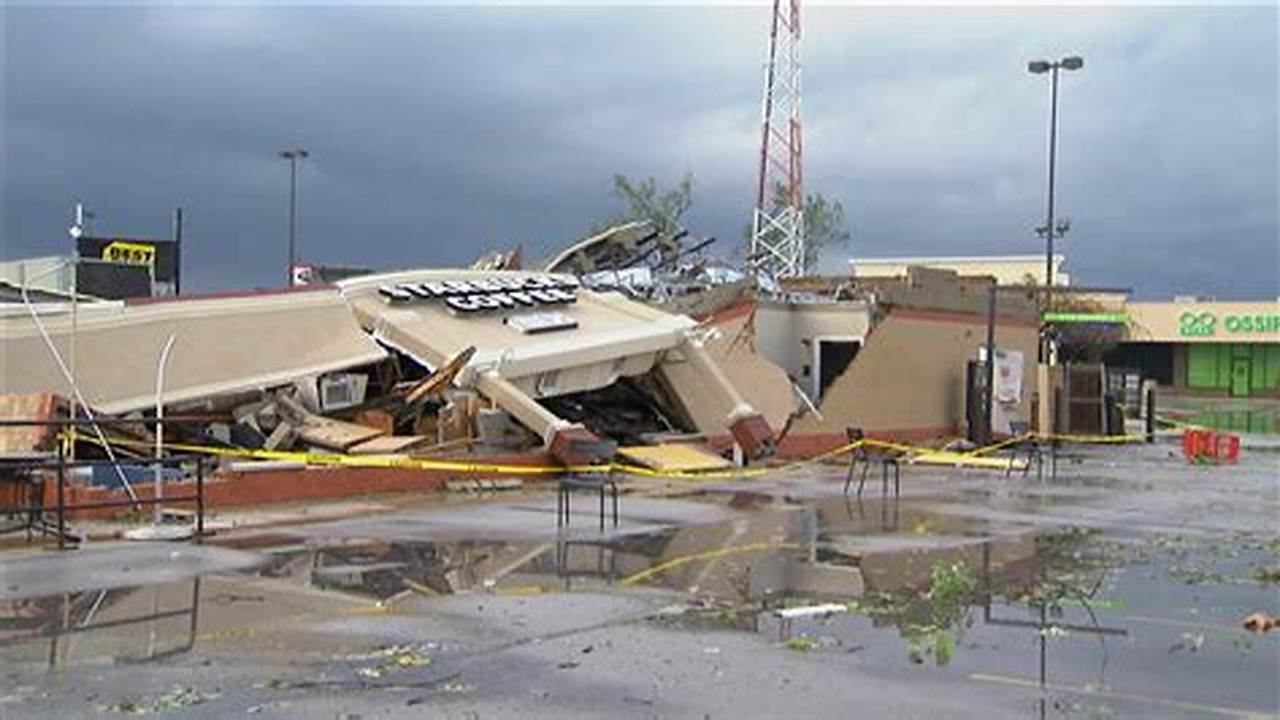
(759, 381)
(785, 331)
(909, 376)
(221, 346)
(1007, 270)
(1234, 322)
(53, 273)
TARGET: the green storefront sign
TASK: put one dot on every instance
(1206, 324)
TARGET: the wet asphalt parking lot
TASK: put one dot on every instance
(1115, 589)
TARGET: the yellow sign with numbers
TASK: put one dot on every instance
(130, 253)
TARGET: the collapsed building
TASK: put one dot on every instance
(540, 337)
(402, 364)
(896, 357)
(627, 338)
(891, 353)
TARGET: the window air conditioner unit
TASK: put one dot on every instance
(342, 391)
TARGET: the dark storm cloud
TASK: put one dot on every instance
(437, 133)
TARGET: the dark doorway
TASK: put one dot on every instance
(834, 357)
(1152, 360)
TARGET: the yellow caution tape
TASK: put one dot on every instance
(911, 452)
(707, 555)
(1092, 439)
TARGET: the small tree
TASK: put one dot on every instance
(824, 229)
(824, 225)
(662, 207)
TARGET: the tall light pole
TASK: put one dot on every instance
(1039, 67)
(294, 156)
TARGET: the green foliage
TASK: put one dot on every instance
(933, 623)
(824, 228)
(824, 225)
(950, 587)
(944, 644)
(802, 643)
(662, 207)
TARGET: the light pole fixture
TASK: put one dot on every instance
(1039, 67)
(294, 156)
(1059, 229)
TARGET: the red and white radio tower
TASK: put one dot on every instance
(777, 223)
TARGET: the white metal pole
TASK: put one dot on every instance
(159, 469)
(75, 304)
(71, 380)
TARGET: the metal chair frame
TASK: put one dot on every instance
(860, 454)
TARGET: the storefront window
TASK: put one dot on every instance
(1239, 368)
(1202, 367)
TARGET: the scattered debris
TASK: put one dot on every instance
(389, 445)
(811, 611)
(390, 659)
(483, 485)
(1191, 642)
(1260, 622)
(498, 260)
(161, 533)
(326, 432)
(802, 643)
(681, 458)
(177, 698)
(1267, 575)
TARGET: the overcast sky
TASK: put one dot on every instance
(439, 132)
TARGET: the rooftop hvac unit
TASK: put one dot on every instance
(341, 391)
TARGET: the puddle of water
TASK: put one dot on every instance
(1265, 422)
(116, 626)
(924, 590)
(1149, 625)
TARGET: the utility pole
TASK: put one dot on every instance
(177, 251)
(294, 156)
(777, 222)
(1038, 67)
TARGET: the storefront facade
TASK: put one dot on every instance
(1220, 349)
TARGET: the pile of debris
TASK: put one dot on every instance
(645, 264)
(412, 364)
(336, 415)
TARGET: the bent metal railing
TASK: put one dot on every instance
(33, 472)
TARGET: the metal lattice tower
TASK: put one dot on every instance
(777, 223)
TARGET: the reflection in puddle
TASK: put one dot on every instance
(1243, 421)
(134, 625)
(906, 585)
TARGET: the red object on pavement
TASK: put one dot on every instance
(1201, 445)
(1227, 448)
(1196, 444)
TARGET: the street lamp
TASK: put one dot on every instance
(1064, 224)
(294, 156)
(1039, 67)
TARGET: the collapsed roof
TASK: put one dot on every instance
(540, 335)
(536, 336)
(222, 345)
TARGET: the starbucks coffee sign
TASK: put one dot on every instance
(463, 297)
(1208, 324)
